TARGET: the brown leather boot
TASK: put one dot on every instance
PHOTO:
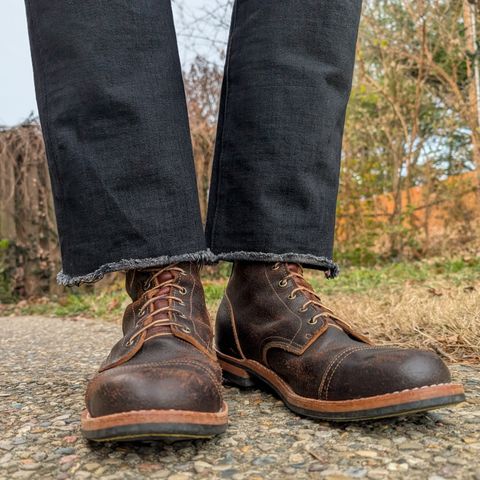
(162, 378)
(272, 326)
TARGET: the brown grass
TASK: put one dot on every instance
(446, 320)
(436, 312)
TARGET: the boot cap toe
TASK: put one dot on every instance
(372, 371)
(182, 385)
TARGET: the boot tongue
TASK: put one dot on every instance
(141, 284)
(301, 281)
(138, 281)
(159, 279)
(295, 267)
(160, 294)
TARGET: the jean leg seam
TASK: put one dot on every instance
(220, 158)
(39, 66)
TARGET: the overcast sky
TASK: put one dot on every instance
(17, 96)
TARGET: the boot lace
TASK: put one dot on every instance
(313, 301)
(164, 321)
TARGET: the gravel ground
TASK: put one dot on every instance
(45, 363)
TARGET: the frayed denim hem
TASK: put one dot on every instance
(323, 263)
(203, 256)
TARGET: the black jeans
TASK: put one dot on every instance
(114, 119)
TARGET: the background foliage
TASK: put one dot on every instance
(411, 159)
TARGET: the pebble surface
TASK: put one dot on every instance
(46, 362)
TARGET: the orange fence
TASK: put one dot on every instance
(431, 213)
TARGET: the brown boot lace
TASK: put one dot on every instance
(314, 298)
(168, 309)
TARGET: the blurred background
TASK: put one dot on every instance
(408, 225)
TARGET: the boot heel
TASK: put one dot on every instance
(236, 376)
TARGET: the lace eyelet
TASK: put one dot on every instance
(180, 302)
(313, 321)
(276, 266)
(182, 315)
(292, 297)
(283, 283)
(129, 343)
(186, 330)
(183, 291)
(308, 336)
(302, 310)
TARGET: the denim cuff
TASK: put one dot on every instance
(321, 263)
(203, 256)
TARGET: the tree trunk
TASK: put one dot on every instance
(470, 22)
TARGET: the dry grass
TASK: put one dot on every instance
(440, 314)
(430, 304)
(446, 319)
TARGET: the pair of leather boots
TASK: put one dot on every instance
(163, 379)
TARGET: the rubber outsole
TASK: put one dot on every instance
(394, 404)
(147, 425)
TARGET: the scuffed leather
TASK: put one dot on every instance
(177, 370)
(329, 361)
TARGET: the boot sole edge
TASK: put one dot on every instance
(147, 425)
(394, 404)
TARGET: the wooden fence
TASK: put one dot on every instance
(432, 219)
